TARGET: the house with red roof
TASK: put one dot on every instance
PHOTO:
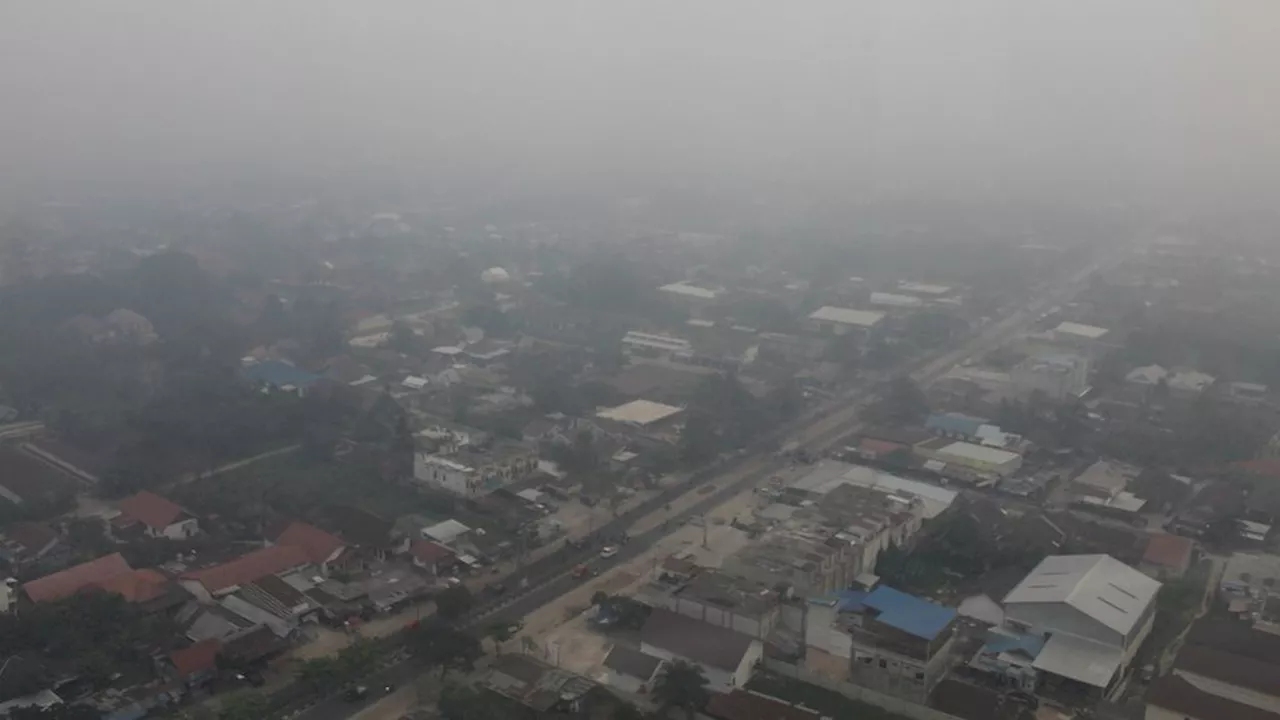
(323, 549)
(433, 557)
(194, 665)
(149, 589)
(1167, 556)
(65, 583)
(154, 516)
(221, 580)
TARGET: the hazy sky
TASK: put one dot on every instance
(937, 94)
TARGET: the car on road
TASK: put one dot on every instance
(357, 692)
(608, 551)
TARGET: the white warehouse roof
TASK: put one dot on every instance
(1085, 331)
(639, 412)
(978, 453)
(895, 300)
(1098, 586)
(845, 316)
(684, 288)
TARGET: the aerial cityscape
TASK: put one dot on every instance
(561, 362)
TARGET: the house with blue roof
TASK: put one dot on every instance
(279, 375)
(900, 642)
(1011, 656)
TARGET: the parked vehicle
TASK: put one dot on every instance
(608, 551)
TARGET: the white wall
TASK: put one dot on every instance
(717, 680)
(182, 529)
(1060, 617)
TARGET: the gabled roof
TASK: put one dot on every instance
(137, 586)
(33, 538)
(908, 613)
(65, 583)
(358, 527)
(201, 657)
(250, 567)
(151, 510)
(702, 643)
(430, 553)
(1099, 586)
(316, 543)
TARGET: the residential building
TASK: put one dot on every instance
(727, 658)
(1010, 656)
(207, 584)
(1182, 384)
(1249, 581)
(720, 599)
(1060, 376)
(28, 480)
(692, 293)
(830, 320)
(1079, 335)
(532, 688)
(900, 643)
(436, 559)
(1103, 480)
(32, 545)
(790, 348)
(971, 429)
(65, 583)
(474, 472)
(894, 301)
(967, 459)
(1167, 557)
(653, 345)
(630, 670)
(1093, 613)
(817, 548)
(1247, 393)
(323, 549)
(154, 516)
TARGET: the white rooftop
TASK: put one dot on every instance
(446, 531)
(894, 300)
(828, 475)
(639, 412)
(1190, 380)
(1099, 586)
(978, 453)
(846, 316)
(1082, 660)
(1085, 331)
(684, 288)
(924, 288)
(1147, 375)
(414, 382)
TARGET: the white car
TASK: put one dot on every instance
(608, 551)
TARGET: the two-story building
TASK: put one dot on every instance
(899, 642)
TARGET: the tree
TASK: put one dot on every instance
(903, 402)
(320, 674)
(627, 711)
(684, 686)
(438, 645)
(460, 702)
(454, 602)
(357, 659)
(245, 705)
(500, 632)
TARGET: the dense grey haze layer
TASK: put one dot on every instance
(1100, 97)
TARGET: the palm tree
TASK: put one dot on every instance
(682, 685)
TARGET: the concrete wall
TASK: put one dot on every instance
(913, 710)
(1232, 692)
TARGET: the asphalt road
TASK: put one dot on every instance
(550, 577)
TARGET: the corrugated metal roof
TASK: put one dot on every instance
(909, 613)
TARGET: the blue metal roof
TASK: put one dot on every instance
(279, 374)
(909, 613)
(954, 424)
(999, 642)
(850, 600)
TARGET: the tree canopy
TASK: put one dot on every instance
(682, 686)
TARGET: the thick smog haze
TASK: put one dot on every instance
(983, 96)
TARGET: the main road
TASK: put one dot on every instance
(551, 577)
